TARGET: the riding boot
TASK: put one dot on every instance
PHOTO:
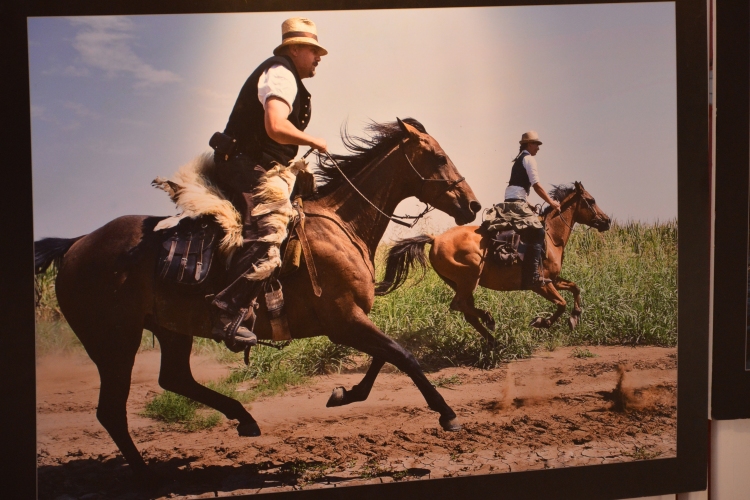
(532, 277)
(235, 304)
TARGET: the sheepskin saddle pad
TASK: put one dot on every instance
(208, 220)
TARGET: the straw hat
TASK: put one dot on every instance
(299, 30)
(530, 136)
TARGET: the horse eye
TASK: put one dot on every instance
(593, 201)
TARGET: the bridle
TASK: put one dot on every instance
(597, 217)
(450, 185)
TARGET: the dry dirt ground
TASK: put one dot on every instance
(552, 410)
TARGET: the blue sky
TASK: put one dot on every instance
(117, 101)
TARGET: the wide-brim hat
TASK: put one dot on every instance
(299, 30)
(530, 136)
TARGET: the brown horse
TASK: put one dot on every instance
(108, 293)
(459, 257)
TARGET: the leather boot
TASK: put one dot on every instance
(234, 304)
(531, 277)
(228, 328)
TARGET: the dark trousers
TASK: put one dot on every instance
(532, 262)
(238, 177)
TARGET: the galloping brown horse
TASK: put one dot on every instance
(459, 257)
(108, 293)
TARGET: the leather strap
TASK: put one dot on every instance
(169, 258)
(308, 255)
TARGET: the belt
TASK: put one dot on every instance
(515, 200)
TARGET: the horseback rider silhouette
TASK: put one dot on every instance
(265, 128)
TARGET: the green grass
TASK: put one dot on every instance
(172, 408)
(582, 353)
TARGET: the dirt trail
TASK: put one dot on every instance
(551, 410)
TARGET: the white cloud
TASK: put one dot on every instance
(81, 110)
(104, 42)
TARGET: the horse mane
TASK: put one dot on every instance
(382, 138)
(558, 193)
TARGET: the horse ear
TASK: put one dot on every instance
(579, 187)
(408, 130)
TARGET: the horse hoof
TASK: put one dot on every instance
(248, 429)
(573, 322)
(538, 323)
(450, 425)
(338, 396)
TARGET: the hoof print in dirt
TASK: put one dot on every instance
(338, 397)
(451, 425)
(248, 429)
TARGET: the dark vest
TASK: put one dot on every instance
(518, 175)
(247, 124)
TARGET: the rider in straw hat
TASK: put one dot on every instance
(265, 128)
(524, 176)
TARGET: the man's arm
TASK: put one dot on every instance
(543, 195)
(281, 130)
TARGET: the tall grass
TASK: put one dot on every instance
(628, 277)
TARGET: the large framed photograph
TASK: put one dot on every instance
(730, 383)
(428, 356)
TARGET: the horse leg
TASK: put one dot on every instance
(549, 292)
(175, 375)
(359, 392)
(115, 365)
(575, 314)
(463, 302)
(364, 336)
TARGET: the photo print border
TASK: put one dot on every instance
(730, 382)
(686, 472)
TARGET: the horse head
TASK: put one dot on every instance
(587, 211)
(434, 178)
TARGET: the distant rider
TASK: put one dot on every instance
(524, 176)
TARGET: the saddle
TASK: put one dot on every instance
(187, 250)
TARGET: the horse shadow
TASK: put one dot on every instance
(94, 479)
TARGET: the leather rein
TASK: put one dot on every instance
(597, 217)
(450, 185)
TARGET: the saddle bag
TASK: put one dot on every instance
(506, 247)
(187, 250)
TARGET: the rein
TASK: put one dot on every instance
(395, 218)
(597, 217)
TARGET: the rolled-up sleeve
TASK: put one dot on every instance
(277, 81)
(529, 163)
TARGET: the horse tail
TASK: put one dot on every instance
(50, 251)
(402, 257)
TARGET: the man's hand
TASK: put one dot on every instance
(319, 144)
(554, 205)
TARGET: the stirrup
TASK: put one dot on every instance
(236, 337)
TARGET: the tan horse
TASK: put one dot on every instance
(108, 293)
(459, 257)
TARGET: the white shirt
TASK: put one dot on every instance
(279, 82)
(529, 163)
